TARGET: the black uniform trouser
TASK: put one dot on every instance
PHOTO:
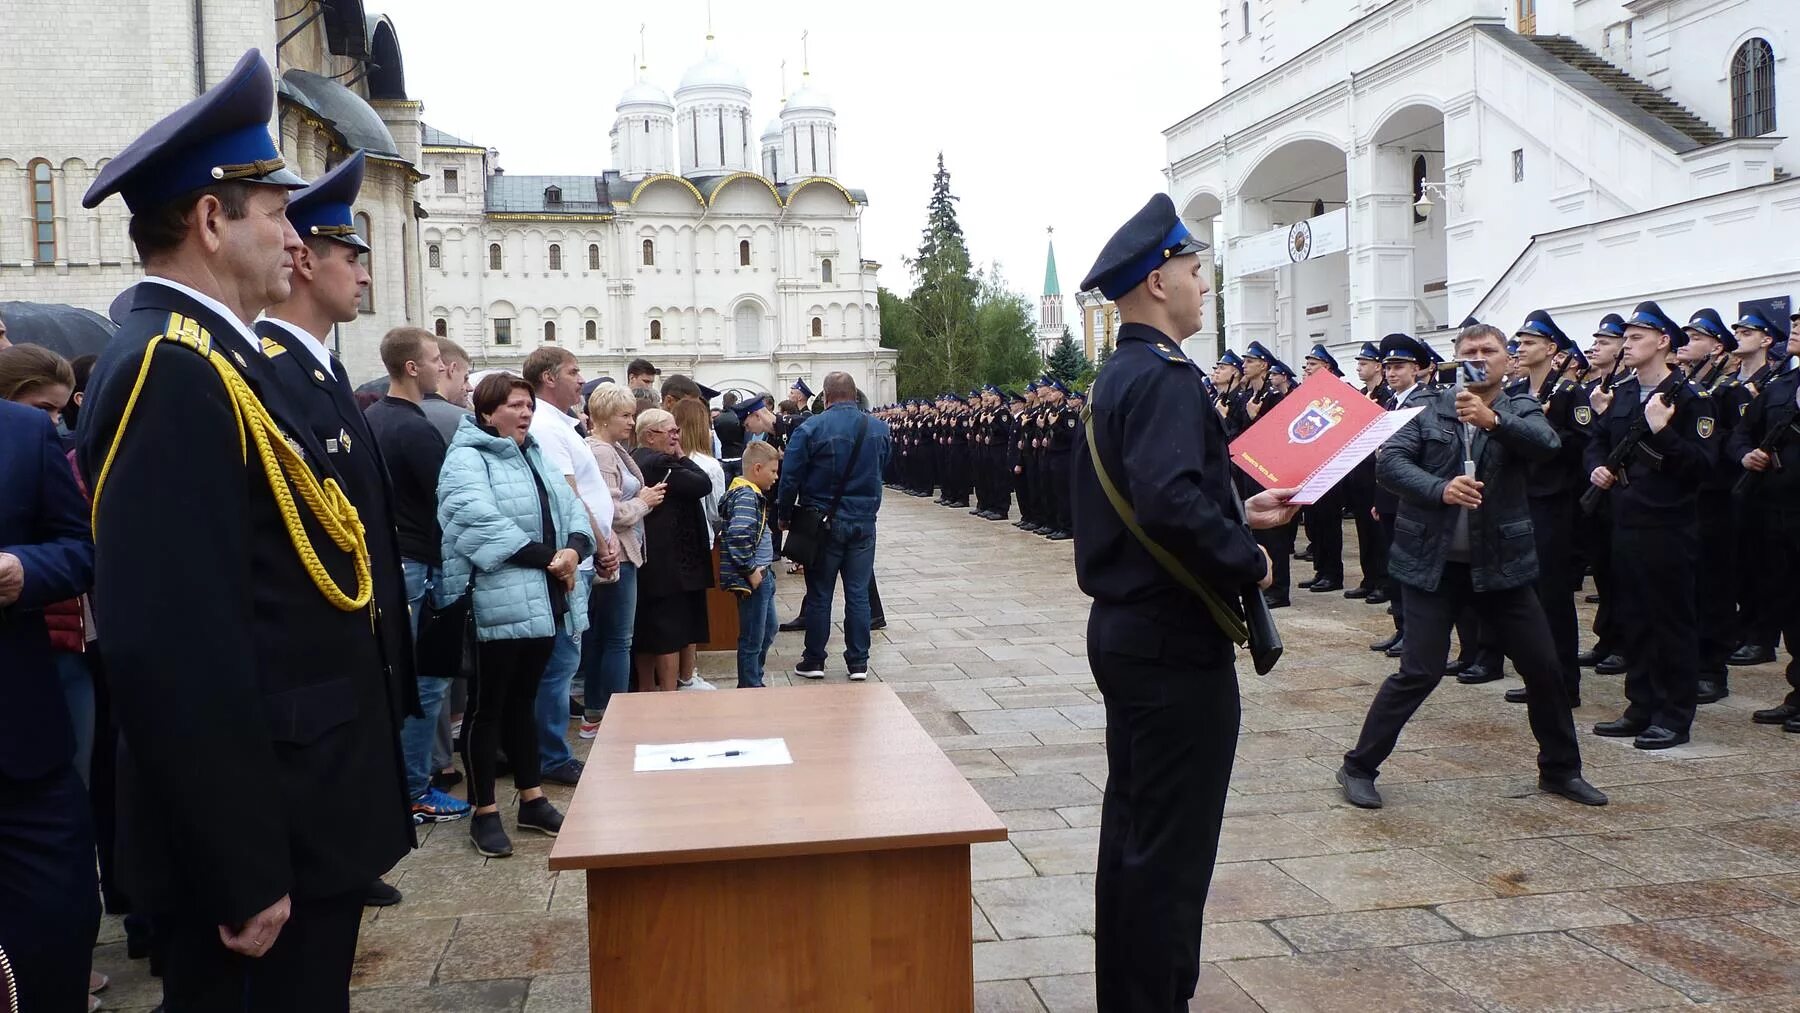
(1057, 492)
(1279, 543)
(1371, 547)
(49, 891)
(1325, 529)
(1653, 569)
(307, 970)
(1781, 551)
(1396, 590)
(1715, 584)
(1596, 531)
(1171, 731)
(1000, 484)
(1519, 620)
(1552, 527)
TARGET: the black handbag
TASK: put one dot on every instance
(446, 639)
(808, 527)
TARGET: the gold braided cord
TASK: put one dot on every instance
(285, 469)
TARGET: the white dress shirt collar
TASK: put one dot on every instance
(312, 344)
(212, 304)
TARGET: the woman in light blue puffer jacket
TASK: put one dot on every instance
(513, 535)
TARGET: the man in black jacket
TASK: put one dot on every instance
(1774, 501)
(1463, 538)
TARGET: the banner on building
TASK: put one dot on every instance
(1291, 244)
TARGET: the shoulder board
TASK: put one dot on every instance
(1169, 352)
(187, 332)
(1565, 384)
(272, 348)
(1700, 391)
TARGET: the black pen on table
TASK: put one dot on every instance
(685, 759)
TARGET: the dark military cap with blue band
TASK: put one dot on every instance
(1512, 348)
(1774, 327)
(1322, 354)
(1283, 368)
(1370, 352)
(1707, 321)
(323, 209)
(745, 409)
(1404, 348)
(1650, 316)
(799, 384)
(1143, 244)
(1578, 357)
(1611, 325)
(221, 136)
(1257, 351)
(1231, 358)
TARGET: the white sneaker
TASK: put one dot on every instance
(809, 673)
(858, 674)
(695, 682)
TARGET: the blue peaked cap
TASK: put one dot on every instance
(323, 209)
(1404, 348)
(1369, 351)
(1539, 323)
(1323, 354)
(1143, 244)
(1611, 325)
(1230, 358)
(222, 135)
(1649, 315)
(1757, 321)
(1708, 322)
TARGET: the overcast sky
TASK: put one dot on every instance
(1048, 113)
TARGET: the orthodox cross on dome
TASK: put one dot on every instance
(805, 61)
(784, 91)
(643, 59)
(709, 26)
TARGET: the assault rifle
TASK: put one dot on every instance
(1620, 458)
(1772, 443)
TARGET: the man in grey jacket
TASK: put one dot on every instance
(1463, 538)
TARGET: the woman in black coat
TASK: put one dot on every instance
(677, 568)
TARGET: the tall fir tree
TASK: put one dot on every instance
(1067, 362)
(944, 349)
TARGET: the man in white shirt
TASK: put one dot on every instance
(555, 376)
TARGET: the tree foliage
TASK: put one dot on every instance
(957, 328)
(1067, 361)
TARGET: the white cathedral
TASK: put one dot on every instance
(708, 249)
(1398, 165)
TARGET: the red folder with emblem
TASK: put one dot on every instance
(1314, 437)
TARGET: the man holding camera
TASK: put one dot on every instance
(1463, 538)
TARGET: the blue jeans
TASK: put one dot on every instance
(553, 699)
(848, 554)
(756, 630)
(606, 647)
(418, 735)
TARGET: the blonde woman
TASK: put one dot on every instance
(612, 609)
(677, 567)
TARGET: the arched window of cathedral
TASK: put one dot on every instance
(818, 327)
(656, 330)
(555, 256)
(593, 256)
(440, 327)
(434, 255)
(825, 272)
(550, 332)
(747, 321)
(43, 212)
(592, 332)
(649, 253)
(743, 253)
(1419, 172)
(494, 260)
(1753, 90)
(367, 232)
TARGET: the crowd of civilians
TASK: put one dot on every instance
(580, 520)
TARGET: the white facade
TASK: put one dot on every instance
(72, 103)
(740, 278)
(1358, 104)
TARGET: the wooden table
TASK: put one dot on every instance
(837, 883)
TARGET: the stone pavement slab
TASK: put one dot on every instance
(1469, 891)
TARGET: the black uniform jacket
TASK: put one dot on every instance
(1663, 478)
(1778, 490)
(1166, 452)
(1569, 413)
(328, 407)
(259, 753)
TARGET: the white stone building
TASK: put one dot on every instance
(710, 250)
(1575, 155)
(82, 78)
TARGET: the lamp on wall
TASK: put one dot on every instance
(1446, 191)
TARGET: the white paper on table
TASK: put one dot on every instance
(1344, 461)
(711, 755)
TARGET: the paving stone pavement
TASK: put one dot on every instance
(1470, 891)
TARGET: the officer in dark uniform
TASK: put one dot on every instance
(995, 431)
(326, 287)
(1766, 443)
(1595, 529)
(1258, 395)
(1405, 361)
(1760, 334)
(1552, 485)
(1163, 666)
(1017, 402)
(1324, 520)
(1359, 485)
(1060, 422)
(1030, 442)
(1672, 445)
(1706, 357)
(260, 761)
